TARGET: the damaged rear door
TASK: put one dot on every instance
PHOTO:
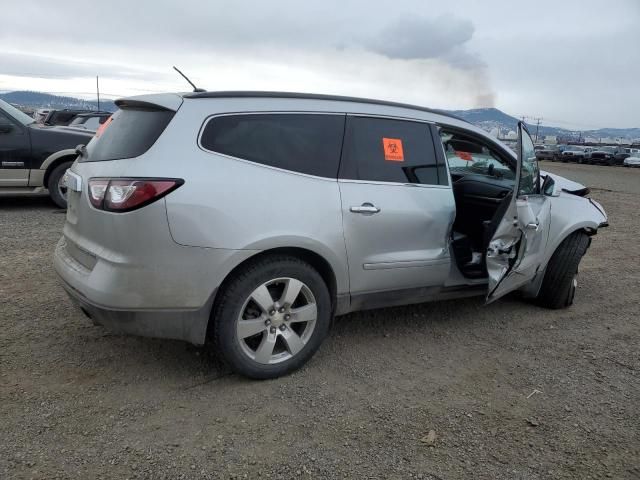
(516, 250)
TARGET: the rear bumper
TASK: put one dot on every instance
(168, 295)
(187, 325)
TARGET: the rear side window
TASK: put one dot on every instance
(129, 133)
(385, 150)
(305, 143)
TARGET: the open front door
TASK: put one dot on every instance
(516, 250)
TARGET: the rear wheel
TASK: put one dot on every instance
(56, 187)
(271, 317)
(561, 277)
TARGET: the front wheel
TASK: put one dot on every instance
(561, 277)
(271, 317)
(55, 185)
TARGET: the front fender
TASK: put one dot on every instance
(569, 214)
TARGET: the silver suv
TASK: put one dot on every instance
(251, 219)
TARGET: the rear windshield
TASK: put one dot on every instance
(129, 133)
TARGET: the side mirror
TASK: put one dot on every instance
(6, 128)
(548, 186)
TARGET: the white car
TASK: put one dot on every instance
(633, 160)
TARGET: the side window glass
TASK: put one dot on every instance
(529, 173)
(4, 121)
(304, 143)
(7, 126)
(468, 156)
(387, 150)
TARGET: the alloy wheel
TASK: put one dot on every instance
(62, 187)
(277, 320)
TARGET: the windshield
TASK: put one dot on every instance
(21, 117)
(607, 149)
(127, 134)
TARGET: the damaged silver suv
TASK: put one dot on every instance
(251, 219)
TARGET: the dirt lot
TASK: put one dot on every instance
(511, 391)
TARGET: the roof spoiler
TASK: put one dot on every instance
(162, 101)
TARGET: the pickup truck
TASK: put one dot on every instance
(608, 155)
(573, 154)
(35, 157)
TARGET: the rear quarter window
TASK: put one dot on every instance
(129, 133)
(304, 143)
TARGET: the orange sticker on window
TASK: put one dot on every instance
(464, 156)
(393, 149)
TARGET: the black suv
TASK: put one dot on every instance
(35, 157)
(90, 121)
(62, 117)
(609, 155)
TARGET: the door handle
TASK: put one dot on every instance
(366, 208)
(533, 226)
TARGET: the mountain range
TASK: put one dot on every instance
(32, 100)
(491, 118)
(488, 119)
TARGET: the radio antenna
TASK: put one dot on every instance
(195, 89)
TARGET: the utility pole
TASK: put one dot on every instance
(98, 92)
(538, 119)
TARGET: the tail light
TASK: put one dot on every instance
(126, 194)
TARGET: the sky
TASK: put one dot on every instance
(574, 63)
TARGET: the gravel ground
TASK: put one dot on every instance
(434, 391)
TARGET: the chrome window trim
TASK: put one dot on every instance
(391, 117)
(399, 184)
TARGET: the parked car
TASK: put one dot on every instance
(90, 121)
(251, 219)
(34, 157)
(608, 155)
(549, 152)
(632, 161)
(573, 153)
(62, 117)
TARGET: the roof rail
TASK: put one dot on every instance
(315, 96)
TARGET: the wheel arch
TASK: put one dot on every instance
(317, 261)
(531, 289)
(55, 159)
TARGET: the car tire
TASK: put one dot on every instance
(56, 191)
(278, 346)
(561, 276)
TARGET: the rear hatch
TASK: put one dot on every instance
(117, 152)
